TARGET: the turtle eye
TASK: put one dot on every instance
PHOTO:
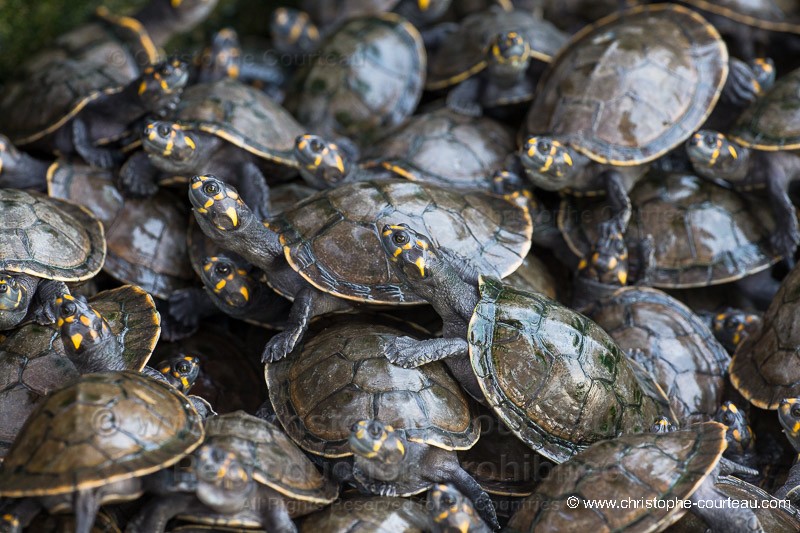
(183, 367)
(211, 188)
(163, 130)
(68, 308)
(448, 499)
(354, 427)
(728, 419)
(544, 146)
(400, 238)
(710, 140)
(731, 322)
(223, 269)
(796, 411)
(375, 430)
(316, 145)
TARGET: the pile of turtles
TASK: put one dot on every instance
(410, 265)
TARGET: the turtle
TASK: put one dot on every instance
(44, 243)
(741, 439)
(441, 147)
(106, 522)
(366, 78)
(789, 417)
(146, 239)
(758, 152)
(451, 511)
(34, 360)
(246, 474)
(330, 243)
(180, 371)
(223, 127)
(369, 514)
(762, 368)
(493, 59)
(731, 326)
(703, 234)
(108, 435)
(19, 170)
(553, 376)
(666, 467)
(570, 146)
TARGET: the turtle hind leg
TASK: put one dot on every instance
(94, 155)
(408, 352)
(153, 517)
(722, 517)
(466, 484)
(275, 515)
(617, 197)
(86, 503)
(191, 305)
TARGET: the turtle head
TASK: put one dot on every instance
(292, 31)
(608, 261)
(223, 480)
(160, 86)
(10, 523)
(168, 143)
(732, 326)
(511, 186)
(509, 55)
(223, 58)
(411, 253)
(452, 511)
(15, 296)
(663, 425)
(228, 280)
(713, 154)
(764, 74)
(216, 203)
(322, 163)
(739, 435)
(548, 163)
(789, 416)
(377, 441)
(83, 329)
(181, 371)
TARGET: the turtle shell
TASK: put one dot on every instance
(369, 514)
(671, 343)
(146, 238)
(765, 367)
(49, 238)
(647, 466)
(242, 115)
(553, 376)
(105, 427)
(425, 402)
(463, 53)
(533, 275)
(772, 122)
(608, 99)
(55, 85)
(324, 233)
(33, 362)
(765, 14)
(445, 148)
(704, 234)
(366, 79)
(276, 461)
(330, 13)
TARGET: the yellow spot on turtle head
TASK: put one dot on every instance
(424, 5)
(567, 159)
(736, 338)
(190, 143)
(622, 276)
(796, 428)
(60, 322)
(361, 433)
(243, 291)
(734, 409)
(185, 383)
(420, 262)
(85, 321)
(231, 212)
(76, 339)
(175, 3)
(70, 319)
(732, 151)
(220, 285)
(142, 88)
(165, 370)
(69, 297)
(612, 263)
(197, 184)
(208, 203)
(736, 435)
(93, 334)
(582, 264)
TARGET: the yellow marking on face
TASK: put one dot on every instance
(175, 3)
(282, 240)
(422, 244)
(231, 194)
(622, 276)
(185, 383)
(567, 159)
(142, 88)
(443, 515)
(188, 358)
(732, 151)
(582, 264)
(796, 428)
(60, 322)
(420, 262)
(231, 212)
(190, 143)
(339, 163)
(361, 433)
(70, 319)
(220, 285)
(165, 370)
(197, 184)
(612, 263)
(281, 16)
(736, 435)
(295, 31)
(397, 252)
(386, 233)
(76, 340)
(244, 292)
(85, 321)
(423, 5)
(170, 145)
(736, 338)
(69, 297)
(93, 334)
(202, 211)
(401, 448)
(208, 203)
(734, 409)
(720, 318)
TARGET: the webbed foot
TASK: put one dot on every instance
(281, 345)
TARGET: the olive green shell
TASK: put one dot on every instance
(276, 461)
(105, 427)
(664, 466)
(704, 234)
(764, 368)
(242, 115)
(671, 343)
(553, 376)
(369, 514)
(772, 122)
(367, 77)
(607, 98)
(445, 148)
(765, 14)
(55, 85)
(49, 238)
(146, 238)
(360, 383)
(33, 362)
(463, 53)
(323, 235)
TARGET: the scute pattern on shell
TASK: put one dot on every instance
(773, 121)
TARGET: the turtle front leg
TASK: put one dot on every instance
(94, 155)
(451, 472)
(465, 97)
(254, 190)
(408, 352)
(724, 518)
(85, 505)
(138, 177)
(189, 306)
(617, 197)
(787, 234)
(45, 309)
(154, 516)
(792, 483)
(275, 515)
(741, 87)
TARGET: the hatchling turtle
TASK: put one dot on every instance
(367, 77)
(44, 242)
(493, 59)
(553, 376)
(441, 147)
(741, 439)
(789, 417)
(605, 109)
(109, 430)
(369, 514)
(451, 511)
(330, 242)
(223, 127)
(34, 360)
(658, 467)
(246, 474)
(763, 369)
(703, 234)
(759, 151)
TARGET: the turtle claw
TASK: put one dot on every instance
(182, 308)
(102, 158)
(280, 345)
(45, 313)
(483, 504)
(402, 352)
(134, 184)
(785, 242)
